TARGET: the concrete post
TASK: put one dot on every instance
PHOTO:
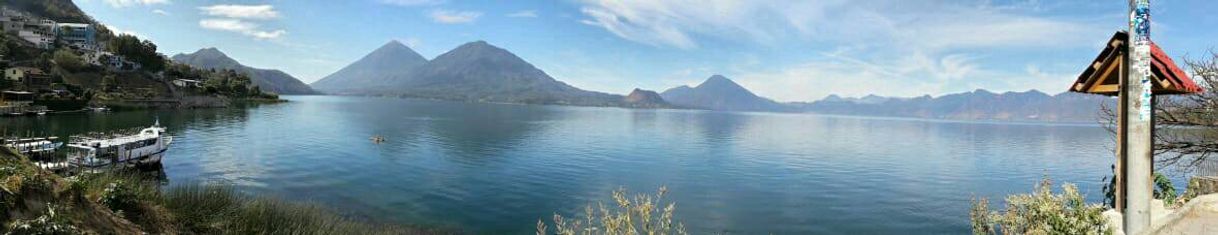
(1139, 120)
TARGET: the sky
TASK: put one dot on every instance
(783, 50)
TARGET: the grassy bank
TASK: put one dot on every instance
(38, 202)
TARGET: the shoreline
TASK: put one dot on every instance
(133, 202)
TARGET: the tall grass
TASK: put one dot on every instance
(216, 209)
(640, 214)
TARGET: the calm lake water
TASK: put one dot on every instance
(494, 168)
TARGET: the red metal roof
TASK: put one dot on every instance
(1165, 68)
(1103, 75)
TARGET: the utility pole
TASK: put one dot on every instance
(1137, 101)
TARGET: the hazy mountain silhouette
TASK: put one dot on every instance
(372, 72)
(980, 104)
(639, 98)
(720, 93)
(270, 80)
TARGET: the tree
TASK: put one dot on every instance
(108, 82)
(68, 60)
(1186, 126)
(134, 50)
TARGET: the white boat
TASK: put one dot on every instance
(33, 145)
(147, 146)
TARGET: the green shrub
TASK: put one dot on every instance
(120, 197)
(1164, 190)
(49, 222)
(68, 60)
(641, 214)
(1041, 212)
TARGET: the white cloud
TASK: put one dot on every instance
(908, 75)
(454, 17)
(127, 3)
(239, 26)
(118, 31)
(905, 48)
(160, 12)
(413, 3)
(523, 14)
(930, 25)
(261, 12)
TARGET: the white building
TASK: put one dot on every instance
(80, 36)
(186, 83)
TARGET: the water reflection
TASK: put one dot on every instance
(492, 168)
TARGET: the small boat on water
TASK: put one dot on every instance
(145, 147)
(33, 145)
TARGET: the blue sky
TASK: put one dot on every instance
(784, 50)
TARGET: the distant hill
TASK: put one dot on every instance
(980, 104)
(720, 93)
(480, 72)
(640, 98)
(375, 70)
(267, 79)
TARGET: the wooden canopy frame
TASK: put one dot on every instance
(1104, 75)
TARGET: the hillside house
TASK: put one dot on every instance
(187, 83)
(31, 77)
(79, 36)
(43, 33)
(21, 73)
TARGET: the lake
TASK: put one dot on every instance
(498, 168)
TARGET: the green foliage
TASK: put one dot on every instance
(119, 196)
(109, 82)
(197, 208)
(68, 60)
(49, 222)
(183, 71)
(641, 214)
(179, 210)
(219, 82)
(124, 193)
(1041, 212)
(1110, 189)
(13, 50)
(230, 83)
(222, 210)
(1164, 190)
(135, 50)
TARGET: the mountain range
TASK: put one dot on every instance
(980, 104)
(475, 71)
(271, 80)
(481, 72)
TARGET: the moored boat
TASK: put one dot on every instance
(145, 147)
(33, 145)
